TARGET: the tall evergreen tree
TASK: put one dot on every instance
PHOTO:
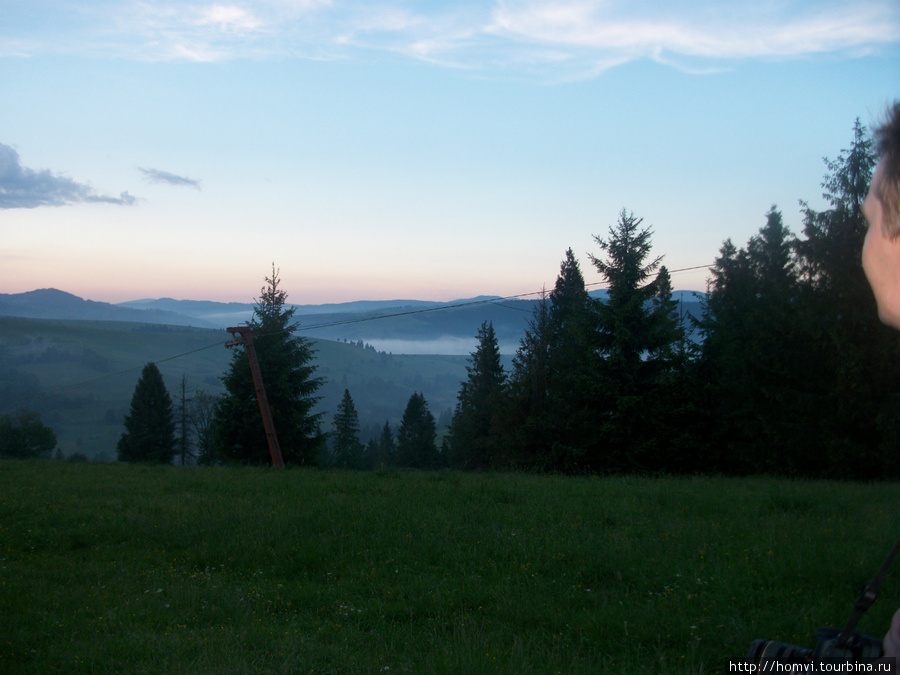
(415, 439)
(346, 450)
(858, 369)
(202, 415)
(572, 370)
(637, 332)
(755, 366)
(385, 455)
(150, 424)
(802, 377)
(182, 416)
(475, 441)
(527, 420)
(288, 372)
(549, 416)
(831, 251)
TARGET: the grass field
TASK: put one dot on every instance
(134, 569)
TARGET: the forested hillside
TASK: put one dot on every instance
(785, 369)
(71, 373)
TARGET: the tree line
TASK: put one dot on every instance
(791, 371)
(787, 370)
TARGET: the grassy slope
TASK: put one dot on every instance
(88, 418)
(108, 568)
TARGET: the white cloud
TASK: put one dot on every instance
(570, 35)
(746, 31)
(228, 18)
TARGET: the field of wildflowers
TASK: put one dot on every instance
(111, 568)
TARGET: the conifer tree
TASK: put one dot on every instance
(346, 450)
(415, 439)
(550, 401)
(527, 421)
(385, 447)
(753, 356)
(857, 359)
(637, 330)
(475, 441)
(571, 382)
(150, 424)
(202, 416)
(288, 372)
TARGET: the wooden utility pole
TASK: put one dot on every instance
(246, 339)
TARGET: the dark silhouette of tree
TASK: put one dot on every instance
(182, 411)
(754, 359)
(346, 450)
(528, 418)
(637, 332)
(830, 253)
(150, 425)
(288, 372)
(571, 385)
(798, 375)
(475, 441)
(385, 450)
(24, 435)
(549, 419)
(415, 439)
(857, 371)
(201, 419)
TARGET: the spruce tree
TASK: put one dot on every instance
(571, 369)
(385, 455)
(415, 439)
(550, 402)
(857, 374)
(527, 420)
(288, 373)
(202, 416)
(150, 424)
(637, 331)
(475, 441)
(755, 367)
(346, 450)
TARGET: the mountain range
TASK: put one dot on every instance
(397, 326)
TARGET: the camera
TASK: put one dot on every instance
(829, 649)
(833, 645)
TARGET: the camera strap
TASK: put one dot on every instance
(865, 600)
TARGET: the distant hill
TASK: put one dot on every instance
(394, 326)
(80, 375)
(50, 303)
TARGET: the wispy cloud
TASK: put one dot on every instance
(744, 33)
(585, 35)
(157, 176)
(24, 188)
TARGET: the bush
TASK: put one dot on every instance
(25, 436)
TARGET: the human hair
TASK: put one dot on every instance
(887, 144)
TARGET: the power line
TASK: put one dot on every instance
(342, 322)
(109, 376)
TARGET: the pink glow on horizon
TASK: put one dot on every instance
(303, 293)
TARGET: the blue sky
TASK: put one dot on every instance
(429, 150)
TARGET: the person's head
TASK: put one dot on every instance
(881, 250)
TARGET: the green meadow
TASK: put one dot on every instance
(147, 569)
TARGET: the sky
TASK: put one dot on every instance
(430, 150)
